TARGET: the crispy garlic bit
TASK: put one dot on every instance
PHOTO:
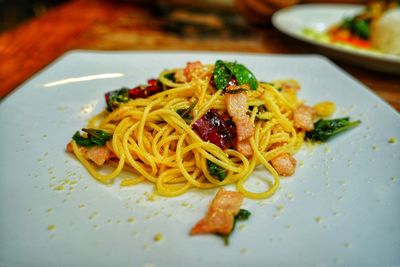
(325, 109)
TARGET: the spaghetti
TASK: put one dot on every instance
(155, 137)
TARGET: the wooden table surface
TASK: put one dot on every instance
(124, 25)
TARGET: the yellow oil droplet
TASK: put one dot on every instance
(51, 227)
(392, 140)
(325, 109)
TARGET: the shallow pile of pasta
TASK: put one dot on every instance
(152, 141)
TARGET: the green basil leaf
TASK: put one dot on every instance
(94, 138)
(216, 170)
(242, 74)
(242, 215)
(326, 129)
(221, 75)
(82, 141)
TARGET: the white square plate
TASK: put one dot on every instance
(341, 208)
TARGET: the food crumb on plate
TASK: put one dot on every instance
(150, 196)
(327, 149)
(289, 196)
(347, 245)
(92, 215)
(51, 227)
(158, 237)
(280, 208)
(319, 219)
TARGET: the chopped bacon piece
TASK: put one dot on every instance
(303, 118)
(221, 213)
(284, 164)
(194, 69)
(180, 76)
(97, 154)
(244, 147)
(237, 108)
(236, 105)
(244, 128)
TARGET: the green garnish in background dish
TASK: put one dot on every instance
(359, 27)
(325, 129)
(224, 71)
(94, 137)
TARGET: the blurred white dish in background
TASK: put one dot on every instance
(318, 18)
(386, 32)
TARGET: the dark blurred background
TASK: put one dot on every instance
(14, 12)
(187, 18)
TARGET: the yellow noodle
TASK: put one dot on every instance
(152, 141)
